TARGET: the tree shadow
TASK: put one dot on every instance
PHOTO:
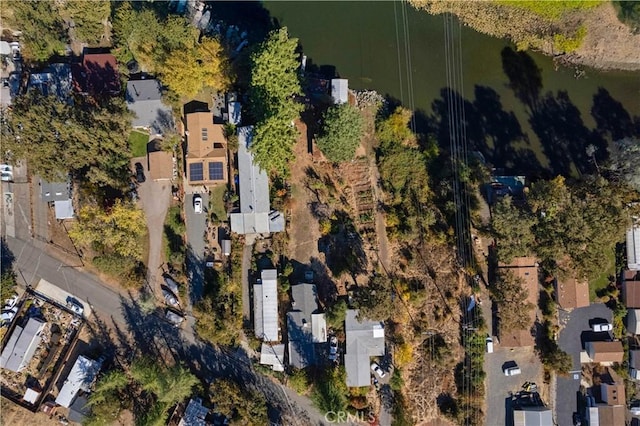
(611, 118)
(525, 77)
(6, 257)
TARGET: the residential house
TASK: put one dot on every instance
(572, 293)
(272, 355)
(613, 393)
(631, 289)
(195, 414)
(82, 375)
(305, 325)
(97, 75)
(606, 415)
(206, 159)
(340, 90)
(22, 345)
(59, 194)
(255, 216)
(532, 416)
(605, 353)
(526, 269)
(162, 164)
(55, 80)
(144, 99)
(265, 306)
(634, 364)
(633, 248)
(633, 321)
(365, 339)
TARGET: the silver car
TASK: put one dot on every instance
(173, 317)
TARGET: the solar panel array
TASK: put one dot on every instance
(196, 172)
(215, 171)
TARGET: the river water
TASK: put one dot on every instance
(369, 43)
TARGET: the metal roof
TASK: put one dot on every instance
(64, 209)
(272, 355)
(265, 302)
(80, 378)
(364, 340)
(22, 346)
(633, 248)
(532, 416)
(340, 90)
(195, 413)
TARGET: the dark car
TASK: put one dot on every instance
(577, 420)
(140, 173)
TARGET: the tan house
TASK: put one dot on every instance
(526, 269)
(206, 159)
(572, 293)
(605, 352)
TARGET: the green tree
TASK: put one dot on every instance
(43, 30)
(330, 391)
(374, 300)
(511, 296)
(336, 314)
(107, 400)
(240, 405)
(512, 227)
(88, 22)
(395, 128)
(274, 85)
(341, 133)
(117, 231)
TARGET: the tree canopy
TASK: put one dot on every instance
(274, 85)
(513, 309)
(374, 300)
(624, 161)
(240, 405)
(512, 227)
(88, 22)
(342, 130)
(57, 137)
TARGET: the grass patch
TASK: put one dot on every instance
(138, 143)
(217, 206)
(602, 281)
(552, 10)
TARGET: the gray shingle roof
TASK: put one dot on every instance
(364, 340)
(144, 98)
(22, 345)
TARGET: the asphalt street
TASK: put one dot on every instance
(574, 324)
(196, 226)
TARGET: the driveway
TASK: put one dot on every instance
(573, 325)
(499, 385)
(196, 227)
(155, 197)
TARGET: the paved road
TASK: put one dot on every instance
(574, 324)
(155, 197)
(196, 227)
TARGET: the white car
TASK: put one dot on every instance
(75, 306)
(8, 314)
(376, 369)
(602, 327)
(7, 172)
(197, 204)
(512, 371)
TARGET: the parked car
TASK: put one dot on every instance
(173, 317)
(173, 286)
(197, 204)
(140, 173)
(602, 327)
(333, 348)
(170, 298)
(489, 341)
(577, 421)
(376, 369)
(512, 371)
(11, 302)
(8, 314)
(75, 306)
(7, 172)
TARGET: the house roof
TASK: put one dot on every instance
(526, 269)
(613, 393)
(160, 165)
(265, 302)
(364, 340)
(340, 90)
(605, 351)
(532, 416)
(195, 413)
(80, 378)
(633, 321)
(572, 293)
(54, 191)
(22, 345)
(272, 355)
(305, 326)
(64, 209)
(54, 80)
(631, 292)
(255, 216)
(206, 150)
(144, 98)
(633, 248)
(97, 74)
(607, 415)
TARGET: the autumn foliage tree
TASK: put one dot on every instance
(509, 293)
(242, 406)
(342, 130)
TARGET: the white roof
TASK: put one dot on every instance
(633, 321)
(340, 90)
(318, 328)
(633, 248)
(265, 302)
(81, 377)
(64, 209)
(31, 396)
(5, 49)
(272, 355)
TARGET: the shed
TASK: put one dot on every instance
(31, 396)
(5, 48)
(340, 90)
(80, 378)
(272, 355)
(532, 416)
(225, 245)
(64, 209)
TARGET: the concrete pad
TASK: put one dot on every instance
(57, 294)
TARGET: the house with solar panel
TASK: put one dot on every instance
(255, 215)
(206, 159)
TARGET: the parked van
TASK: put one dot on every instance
(489, 345)
(512, 371)
(635, 374)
